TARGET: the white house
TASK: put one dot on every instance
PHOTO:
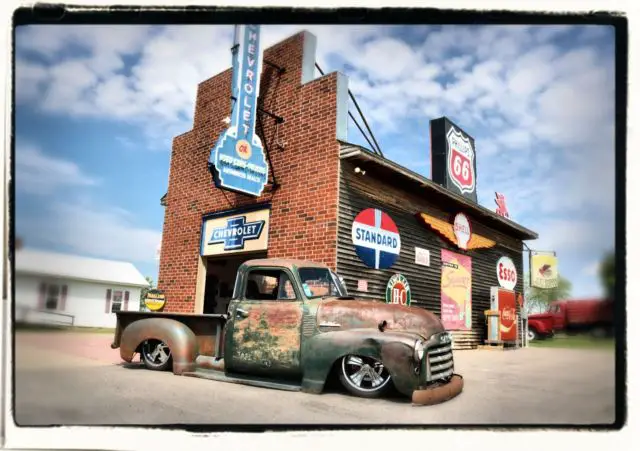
(72, 290)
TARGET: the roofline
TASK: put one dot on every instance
(82, 279)
(349, 151)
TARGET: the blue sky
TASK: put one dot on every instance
(97, 108)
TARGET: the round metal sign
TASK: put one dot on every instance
(507, 273)
(398, 291)
(376, 238)
(154, 300)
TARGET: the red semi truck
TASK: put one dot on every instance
(573, 315)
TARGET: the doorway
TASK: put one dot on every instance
(220, 280)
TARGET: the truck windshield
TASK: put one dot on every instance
(319, 282)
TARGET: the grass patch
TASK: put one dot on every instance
(51, 328)
(575, 342)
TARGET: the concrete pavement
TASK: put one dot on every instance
(78, 379)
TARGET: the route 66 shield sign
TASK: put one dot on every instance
(460, 165)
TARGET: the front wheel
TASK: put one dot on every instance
(156, 355)
(365, 377)
(531, 335)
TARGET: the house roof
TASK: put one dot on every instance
(415, 181)
(37, 262)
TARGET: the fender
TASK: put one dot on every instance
(180, 339)
(394, 349)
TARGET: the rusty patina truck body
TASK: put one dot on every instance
(291, 325)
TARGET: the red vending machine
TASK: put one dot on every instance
(502, 318)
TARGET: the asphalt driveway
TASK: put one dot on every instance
(75, 378)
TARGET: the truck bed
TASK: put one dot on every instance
(208, 328)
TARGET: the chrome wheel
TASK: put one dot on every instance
(156, 355)
(364, 376)
(531, 335)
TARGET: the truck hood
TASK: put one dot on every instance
(334, 314)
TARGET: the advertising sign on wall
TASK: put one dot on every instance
(154, 300)
(238, 158)
(504, 301)
(423, 257)
(246, 232)
(544, 269)
(453, 158)
(463, 236)
(398, 291)
(462, 230)
(506, 273)
(376, 238)
(455, 291)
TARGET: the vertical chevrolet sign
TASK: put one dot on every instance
(238, 158)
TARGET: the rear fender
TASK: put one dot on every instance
(180, 339)
(394, 349)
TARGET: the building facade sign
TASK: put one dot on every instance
(423, 257)
(398, 291)
(462, 236)
(238, 158)
(455, 291)
(544, 269)
(246, 232)
(462, 230)
(506, 273)
(154, 300)
(376, 238)
(453, 158)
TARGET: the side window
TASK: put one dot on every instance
(269, 285)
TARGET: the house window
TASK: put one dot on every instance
(116, 302)
(52, 298)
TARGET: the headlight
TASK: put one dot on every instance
(418, 350)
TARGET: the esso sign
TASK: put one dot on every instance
(507, 274)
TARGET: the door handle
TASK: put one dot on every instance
(242, 313)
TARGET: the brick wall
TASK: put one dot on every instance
(304, 207)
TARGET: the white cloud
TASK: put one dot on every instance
(89, 229)
(39, 173)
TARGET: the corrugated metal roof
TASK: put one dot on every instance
(31, 261)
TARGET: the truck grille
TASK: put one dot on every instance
(439, 361)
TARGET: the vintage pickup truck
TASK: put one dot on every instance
(291, 325)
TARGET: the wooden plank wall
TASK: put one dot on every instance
(358, 193)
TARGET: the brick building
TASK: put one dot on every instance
(319, 184)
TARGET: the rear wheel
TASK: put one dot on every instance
(156, 355)
(365, 377)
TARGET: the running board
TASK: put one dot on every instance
(239, 379)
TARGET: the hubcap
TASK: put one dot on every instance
(531, 336)
(364, 373)
(157, 352)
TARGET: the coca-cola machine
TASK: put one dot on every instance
(503, 324)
